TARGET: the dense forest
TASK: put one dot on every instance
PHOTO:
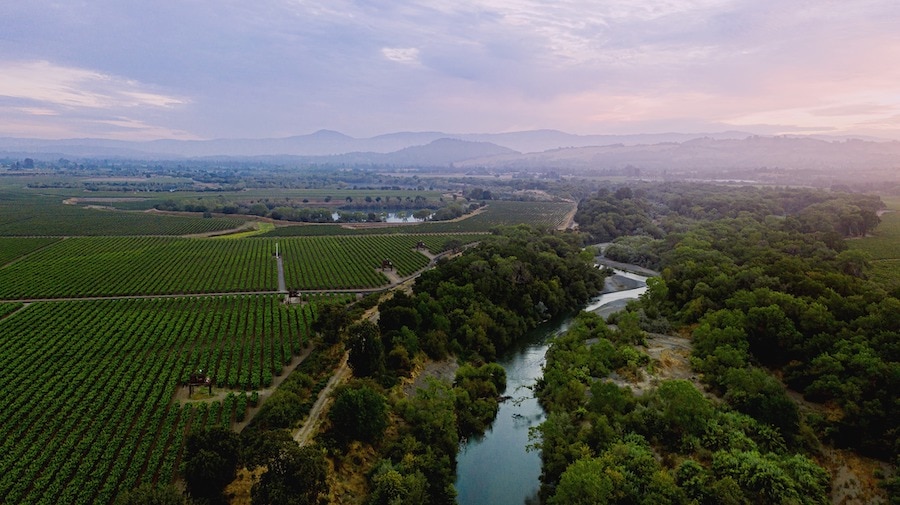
(762, 283)
(472, 307)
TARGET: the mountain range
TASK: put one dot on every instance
(328, 143)
(537, 150)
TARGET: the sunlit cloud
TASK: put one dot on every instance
(47, 83)
(38, 111)
(401, 54)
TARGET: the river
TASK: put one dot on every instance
(498, 468)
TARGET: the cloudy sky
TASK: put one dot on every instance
(271, 68)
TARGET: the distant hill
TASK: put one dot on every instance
(326, 143)
(711, 154)
(733, 154)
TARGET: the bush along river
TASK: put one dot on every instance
(497, 468)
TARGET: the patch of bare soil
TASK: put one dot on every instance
(853, 479)
(569, 221)
(347, 479)
(391, 275)
(238, 492)
(444, 370)
(669, 359)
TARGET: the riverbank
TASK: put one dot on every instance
(498, 468)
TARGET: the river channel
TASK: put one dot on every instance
(497, 468)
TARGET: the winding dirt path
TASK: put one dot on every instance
(310, 426)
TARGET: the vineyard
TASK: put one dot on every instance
(92, 398)
(121, 266)
(87, 404)
(12, 248)
(112, 266)
(353, 262)
(8, 308)
(883, 247)
(41, 217)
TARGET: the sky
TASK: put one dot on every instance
(202, 69)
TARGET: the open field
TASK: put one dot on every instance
(87, 404)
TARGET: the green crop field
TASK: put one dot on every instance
(31, 215)
(314, 197)
(884, 248)
(8, 308)
(87, 405)
(121, 266)
(107, 266)
(12, 248)
(354, 262)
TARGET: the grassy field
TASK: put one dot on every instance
(884, 247)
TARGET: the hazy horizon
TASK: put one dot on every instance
(280, 68)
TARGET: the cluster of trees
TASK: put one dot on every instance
(368, 210)
(418, 462)
(294, 475)
(600, 443)
(613, 214)
(638, 219)
(473, 306)
(762, 280)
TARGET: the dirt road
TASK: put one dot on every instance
(310, 426)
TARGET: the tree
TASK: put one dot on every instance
(359, 413)
(366, 349)
(584, 482)
(394, 485)
(297, 476)
(759, 395)
(210, 463)
(684, 409)
(331, 321)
